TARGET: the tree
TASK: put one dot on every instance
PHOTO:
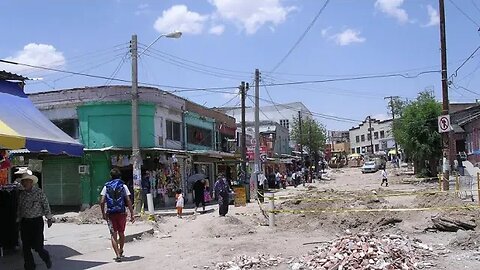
(312, 137)
(417, 132)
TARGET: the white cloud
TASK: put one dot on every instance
(251, 15)
(217, 30)
(433, 15)
(142, 9)
(35, 54)
(179, 18)
(348, 37)
(393, 9)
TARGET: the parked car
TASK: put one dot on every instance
(369, 167)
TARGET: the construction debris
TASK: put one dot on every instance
(366, 251)
(246, 262)
(452, 224)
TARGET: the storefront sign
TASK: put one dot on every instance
(240, 196)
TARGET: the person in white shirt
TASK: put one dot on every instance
(384, 177)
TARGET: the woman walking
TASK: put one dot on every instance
(199, 194)
(222, 189)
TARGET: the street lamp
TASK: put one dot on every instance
(175, 34)
(137, 177)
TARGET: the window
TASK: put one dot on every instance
(353, 150)
(363, 138)
(199, 136)
(173, 130)
(357, 139)
(358, 150)
(375, 135)
(285, 123)
(369, 136)
(382, 134)
(377, 147)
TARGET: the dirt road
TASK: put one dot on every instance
(203, 241)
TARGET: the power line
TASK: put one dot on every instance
(117, 69)
(230, 100)
(465, 14)
(301, 36)
(464, 62)
(197, 63)
(260, 109)
(464, 88)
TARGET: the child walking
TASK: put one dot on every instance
(384, 177)
(180, 202)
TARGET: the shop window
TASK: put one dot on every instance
(382, 134)
(173, 130)
(375, 135)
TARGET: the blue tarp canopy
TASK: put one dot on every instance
(23, 126)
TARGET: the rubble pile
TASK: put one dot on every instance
(366, 251)
(261, 261)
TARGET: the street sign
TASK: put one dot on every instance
(263, 158)
(444, 124)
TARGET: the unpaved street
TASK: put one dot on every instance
(203, 241)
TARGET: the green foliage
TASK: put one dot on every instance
(313, 134)
(398, 106)
(417, 130)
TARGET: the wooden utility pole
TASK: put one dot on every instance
(448, 154)
(243, 141)
(370, 129)
(258, 165)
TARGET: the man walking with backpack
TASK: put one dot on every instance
(116, 196)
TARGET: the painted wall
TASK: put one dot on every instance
(109, 124)
(384, 143)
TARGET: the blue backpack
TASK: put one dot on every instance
(115, 196)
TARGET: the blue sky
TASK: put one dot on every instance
(228, 39)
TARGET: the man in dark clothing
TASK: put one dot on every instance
(32, 206)
(199, 194)
(146, 186)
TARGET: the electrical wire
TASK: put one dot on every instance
(197, 63)
(455, 74)
(302, 36)
(191, 67)
(260, 109)
(465, 14)
(117, 69)
(464, 88)
(230, 100)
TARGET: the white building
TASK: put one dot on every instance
(380, 136)
(284, 114)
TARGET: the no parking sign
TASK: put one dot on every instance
(444, 124)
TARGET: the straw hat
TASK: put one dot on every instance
(26, 174)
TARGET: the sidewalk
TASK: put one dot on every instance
(65, 240)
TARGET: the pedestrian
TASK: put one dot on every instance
(222, 190)
(199, 194)
(116, 196)
(278, 178)
(180, 202)
(384, 177)
(146, 189)
(32, 206)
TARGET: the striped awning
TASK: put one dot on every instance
(23, 126)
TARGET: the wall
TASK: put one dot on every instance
(163, 114)
(109, 124)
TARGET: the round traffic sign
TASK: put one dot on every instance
(444, 123)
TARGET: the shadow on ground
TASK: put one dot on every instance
(13, 260)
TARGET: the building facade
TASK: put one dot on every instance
(380, 136)
(171, 137)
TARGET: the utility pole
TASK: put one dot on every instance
(301, 136)
(370, 129)
(448, 154)
(258, 165)
(135, 141)
(244, 137)
(393, 117)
